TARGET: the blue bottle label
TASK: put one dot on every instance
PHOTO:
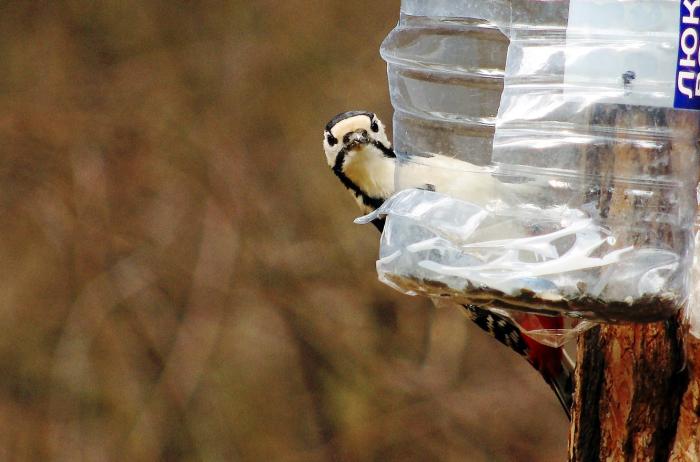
(633, 52)
(688, 66)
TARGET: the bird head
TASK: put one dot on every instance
(359, 153)
(352, 132)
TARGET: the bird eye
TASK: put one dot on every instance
(374, 126)
(332, 140)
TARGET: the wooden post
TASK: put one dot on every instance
(686, 446)
(638, 385)
(630, 380)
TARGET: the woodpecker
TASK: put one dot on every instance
(359, 153)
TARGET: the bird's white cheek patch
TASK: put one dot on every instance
(331, 154)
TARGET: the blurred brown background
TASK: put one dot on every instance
(181, 278)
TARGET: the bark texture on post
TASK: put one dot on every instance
(630, 380)
(687, 444)
(637, 392)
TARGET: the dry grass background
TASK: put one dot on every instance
(181, 278)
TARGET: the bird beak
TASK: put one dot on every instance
(356, 138)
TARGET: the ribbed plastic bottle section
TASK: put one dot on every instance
(445, 81)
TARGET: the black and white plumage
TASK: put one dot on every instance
(359, 153)
(499, 328)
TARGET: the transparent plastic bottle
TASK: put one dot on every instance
(446, 69)
(446, 62)
(538, 180)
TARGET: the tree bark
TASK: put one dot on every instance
(629, 384)
(638, 385)
(687, 443)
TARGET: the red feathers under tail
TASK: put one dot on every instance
(552, 363)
